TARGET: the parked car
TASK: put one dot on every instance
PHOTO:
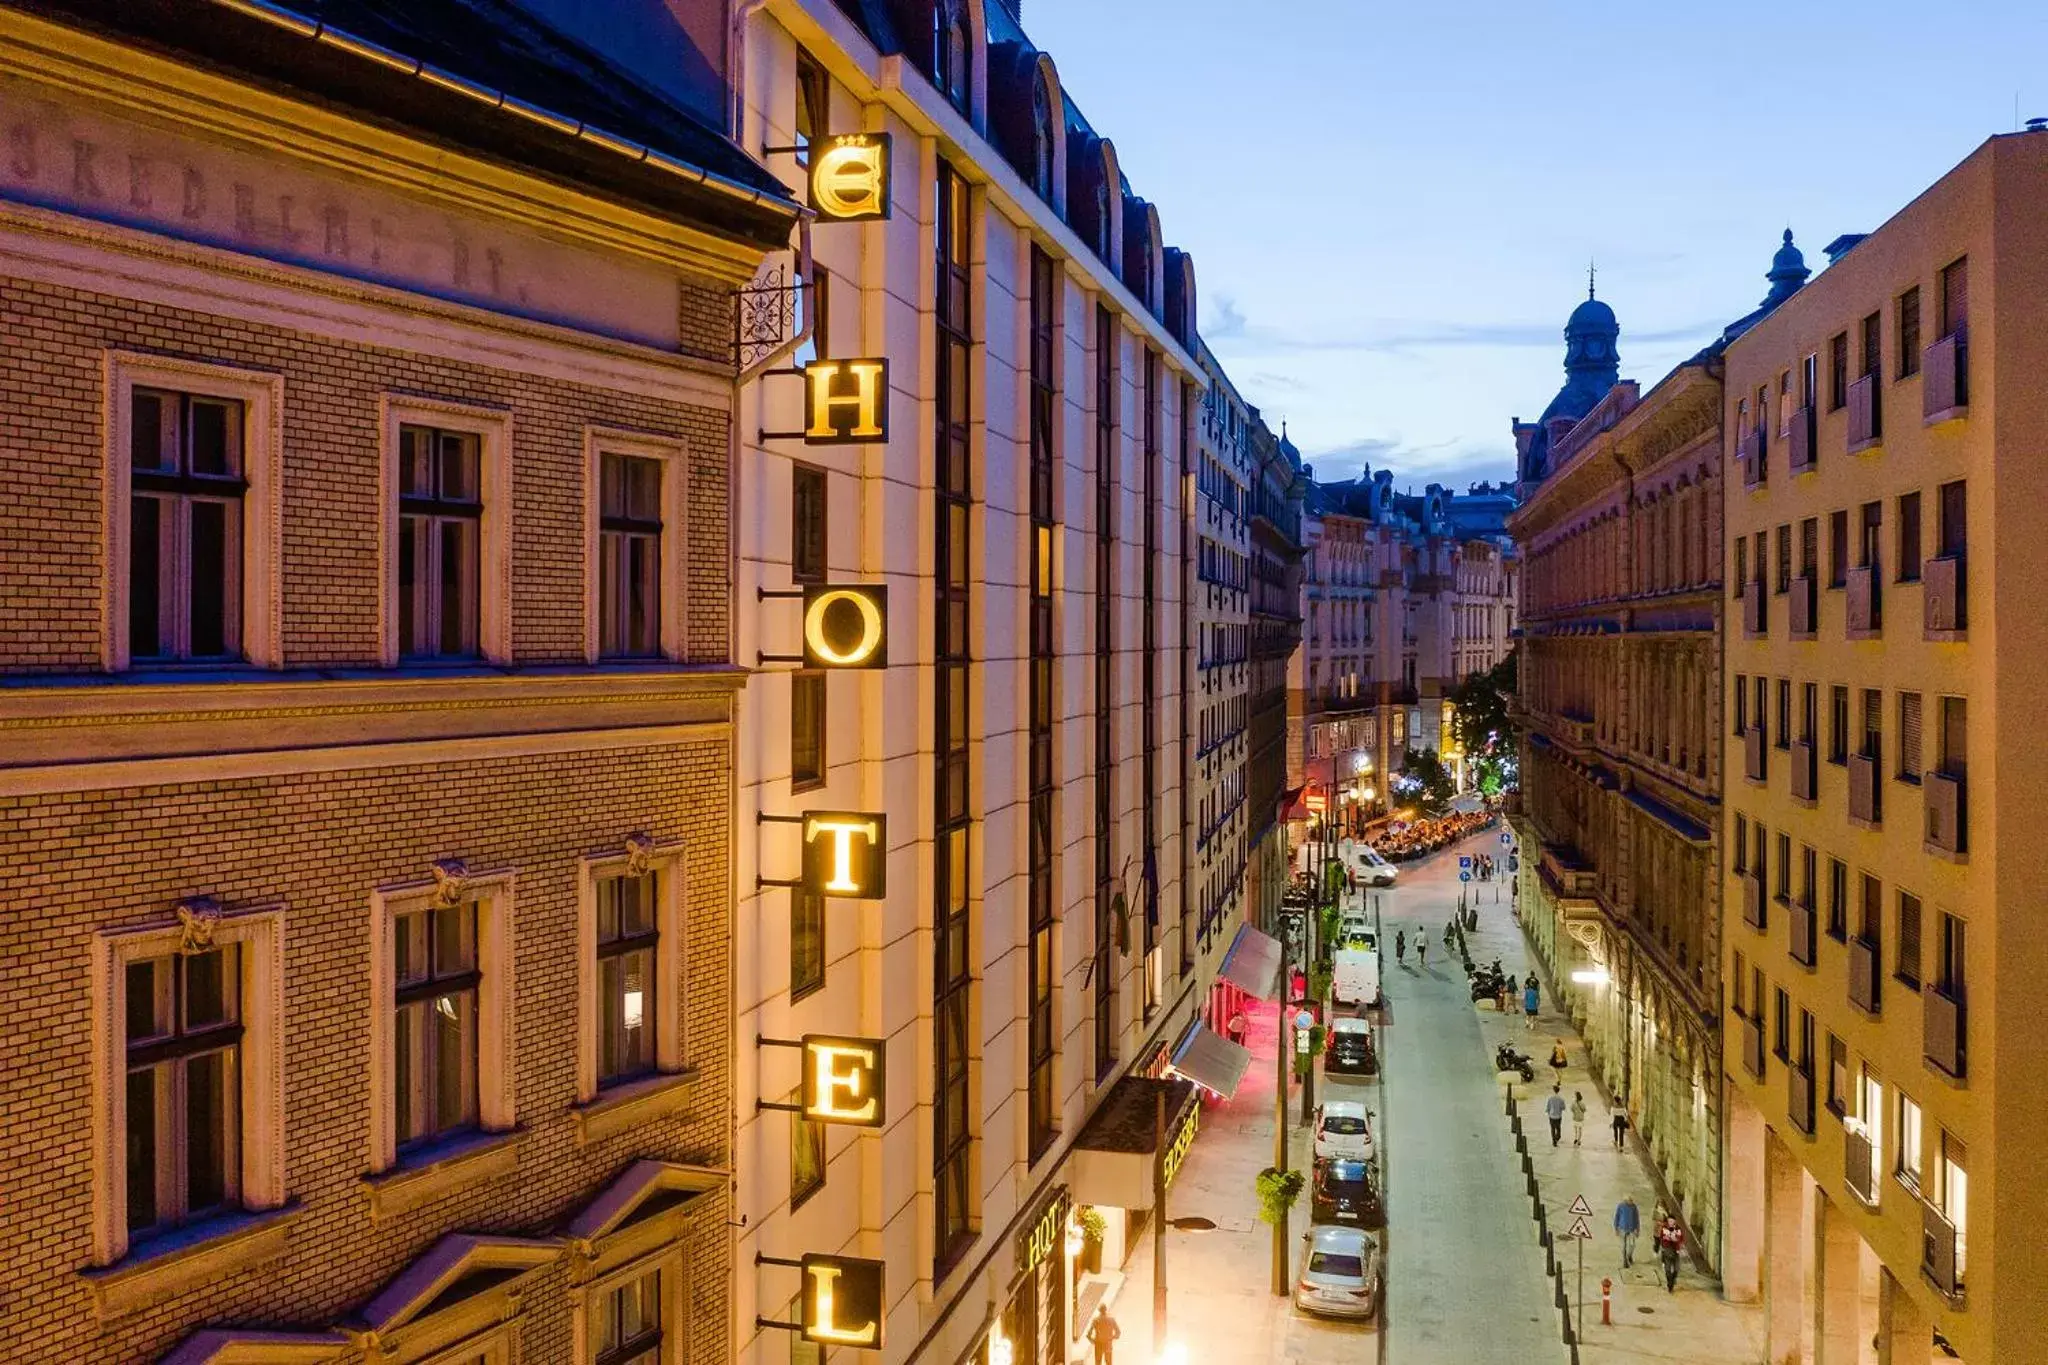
(1343, 1129)
(1349, 1050)
(1347, 1192)
(1340, 1273)
(1373, 869)
(1355, 976)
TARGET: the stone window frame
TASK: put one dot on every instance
(493, 427)
(413, 1320)
(601, 1109)
(398, 1183)
(674, 454)
(155, 1270)
(261, 394)
(611, 1241)
(588, 1299)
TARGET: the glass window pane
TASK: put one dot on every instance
(216, 577)
(210, 1114)
(454, 940)
(412, 606)
(409, 948)
(415, 462)
(216, 437)
(459, 455)
(142, 1148)
(147, 991)
(147, 546)
(611, 482)
(456, 582)
(152, 430)
(212, 992)
(455, 1060)
(409, 1054)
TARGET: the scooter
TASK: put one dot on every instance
(1488, 982)
(1505, 1058)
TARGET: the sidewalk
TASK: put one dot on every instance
(1694, 1325)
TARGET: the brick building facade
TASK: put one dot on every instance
(366, 729)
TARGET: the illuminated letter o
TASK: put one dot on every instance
(821, 644)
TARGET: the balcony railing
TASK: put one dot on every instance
(1799, 1100)
(1857, 1164)
(1753, 901)
(1938, 1251)
(1863, 975)
(1945, 380)
(1941, 596)
(1753, 1046)
(1755, 754)
(1805, 620)
(1942, 1025)
(1750, 453)
(1801, 454)
(1947, 814)
(1866, 616)
(1866, 424)
(1756, 618)
(1805, 771)
(1802, 930)
(1863, 789)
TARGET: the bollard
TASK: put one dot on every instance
(1606, 1302)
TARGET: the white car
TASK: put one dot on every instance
(1340, 1273)
(1374, 870)
(1343, 1129)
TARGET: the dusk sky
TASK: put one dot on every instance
(1392, 207)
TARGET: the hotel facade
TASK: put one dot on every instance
(1884, 688)
(367, 722)
(1041, 512)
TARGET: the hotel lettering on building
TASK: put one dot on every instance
(1057, 630)
(366, 773)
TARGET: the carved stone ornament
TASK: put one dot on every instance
(1589, 934)
(198, 917)
(639, 854)
(451, 880)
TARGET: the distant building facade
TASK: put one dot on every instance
(366, 791)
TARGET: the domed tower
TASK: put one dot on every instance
(1592, 366)
(1788, 271)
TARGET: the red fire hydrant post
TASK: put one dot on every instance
(1606, 1302)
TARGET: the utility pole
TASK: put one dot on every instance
(1280, 1050)
(1159, 1219)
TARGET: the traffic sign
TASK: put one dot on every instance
(1581, 1208)
(1464, 876)
(1303, 1019)
(1465, 860)
(1579, 1228)
(1301, 1040)
(1507, 838)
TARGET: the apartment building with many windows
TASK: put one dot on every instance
(1883, 690)
(368, 695)
(1044, 946)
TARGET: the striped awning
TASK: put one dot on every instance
(1253, 963)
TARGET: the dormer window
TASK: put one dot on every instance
(1144, 289)
(1102, 238)
(950, 67)
(1041, 138)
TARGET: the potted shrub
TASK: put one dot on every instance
(1278, 1191)
(1093, 1226)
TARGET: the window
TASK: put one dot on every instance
(1955, 1194)
(1042, 971)
(808, 525)
(1838, 724)
(1042, 144)
(1949, 955)
(1909, 537)
(1953, 755)
(1781, 1034)
(1809, 381)
(1784, 543)
(1873, 351)
(1870, 926)
(1808, 881)
(1909, 332)
(628, 935)
(1906, 967)
(435, 955)
(1838, 1076)
(1953, 517)
(1741, 705)
(806, 1154)
(1741, 568)
(185, 526)
(1101, 971)
(953, 644)
(1783, 738)
(813, 105)
(1838, 548)
(952, 63)
(186, 1074)
(1838, 371)
(1741, 842)
(440, 534)
(806, 942)
(1738, 979)
(1871, 741)
(1871, 527)
(184, 1035)
(1809, 713)
(629, 1322)
(1809, 548)
(1909, 737)
(1955, 298)
(1838, 899)
(629, 572)
(1910, 1147)
(807, 691)
(1784, 883)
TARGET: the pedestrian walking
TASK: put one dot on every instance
(1628, 1223)
(1102, 1335)
(1422, 951)
(1578, 1117)
(1670, 1241)
(1553, 1109)
(1237, 1027)
(1558, 1060)
(1500, 997)
(1401, 946)
(1532, 1000)
(1618, 1121)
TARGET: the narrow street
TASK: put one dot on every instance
(1465, 1277)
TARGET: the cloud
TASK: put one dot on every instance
(1396, 336)
(1226, 320)
(1453, 463)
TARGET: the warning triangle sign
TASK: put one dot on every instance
(1579, 1228)
(1581, 1207)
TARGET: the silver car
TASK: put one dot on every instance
(1340, 1273)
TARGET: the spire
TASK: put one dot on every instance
(1788, 271)
(1589, 277)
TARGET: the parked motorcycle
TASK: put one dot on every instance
(1488, 982)
(1505, 1058)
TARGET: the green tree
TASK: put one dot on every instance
(1479, 718)
(1425, 780)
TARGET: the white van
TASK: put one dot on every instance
(1373, 869)
(1355, 976)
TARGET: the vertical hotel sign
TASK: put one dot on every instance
(843, 854)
